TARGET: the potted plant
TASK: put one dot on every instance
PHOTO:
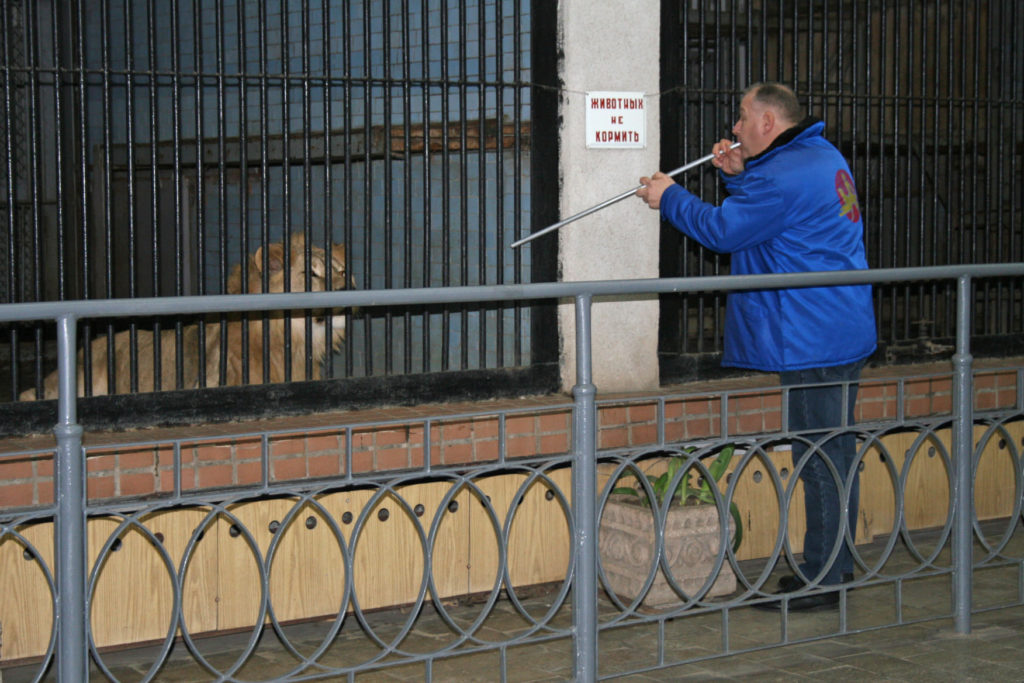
(692, 533)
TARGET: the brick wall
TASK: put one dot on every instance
(330, 445)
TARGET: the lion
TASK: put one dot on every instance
(233, 325)
(122, 364)
(279, 323)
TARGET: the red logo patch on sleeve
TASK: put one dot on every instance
(848, 205)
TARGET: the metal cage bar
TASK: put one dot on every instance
(920, 98)
(191, 138)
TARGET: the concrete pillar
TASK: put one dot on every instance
(609, 46)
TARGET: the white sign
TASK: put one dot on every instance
(616, 120)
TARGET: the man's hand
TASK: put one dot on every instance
(728, 159)
(653, 187)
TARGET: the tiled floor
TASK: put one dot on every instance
(929, 651)
(921, 651)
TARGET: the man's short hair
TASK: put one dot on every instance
(779, 97)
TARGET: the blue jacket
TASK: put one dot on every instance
(792, 209)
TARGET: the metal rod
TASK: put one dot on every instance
(584, 500)
(70, 528)
(963, 458)
(613, 200)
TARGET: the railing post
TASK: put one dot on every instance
(70, 542)
(584, 499)
(963, 457)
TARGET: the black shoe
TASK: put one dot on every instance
(806, 603)
(791, 584)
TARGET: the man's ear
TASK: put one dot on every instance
(768, 121)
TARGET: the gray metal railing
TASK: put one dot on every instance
(70, 647)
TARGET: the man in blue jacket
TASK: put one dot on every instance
(792, 207)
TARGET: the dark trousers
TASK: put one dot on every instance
(816, 418)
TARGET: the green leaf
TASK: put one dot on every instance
(738, 531)
(660, 485)
(718, 467)
(673, 467)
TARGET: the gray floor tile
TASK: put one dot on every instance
(691, 645)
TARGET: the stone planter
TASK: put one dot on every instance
(626, 545)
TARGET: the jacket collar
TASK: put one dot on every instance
(790, 134)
